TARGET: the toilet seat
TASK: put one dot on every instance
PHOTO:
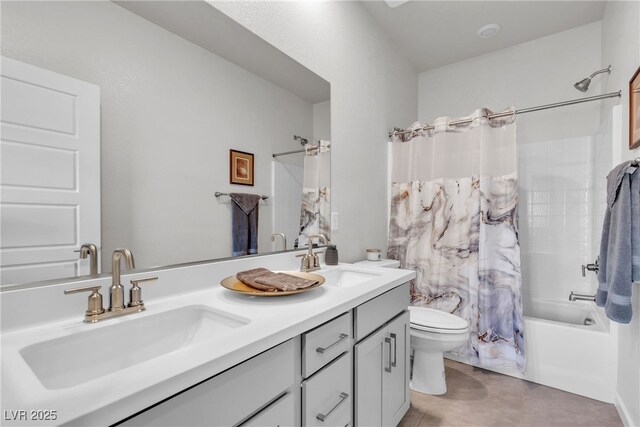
(439, 331)
(430, 320)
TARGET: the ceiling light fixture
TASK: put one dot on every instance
(488, 31)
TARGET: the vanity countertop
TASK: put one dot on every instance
(114, 396)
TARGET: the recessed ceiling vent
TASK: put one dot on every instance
(488, 31)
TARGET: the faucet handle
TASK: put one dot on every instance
(135, 293)
(94, 302)
(306, 263)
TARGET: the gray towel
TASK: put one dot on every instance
(249, 278)
(620, 244)
(244, 223)
(285, 282)
(266, 280)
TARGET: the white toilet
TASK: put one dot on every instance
(432, 333)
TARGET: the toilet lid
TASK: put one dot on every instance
(428, 318)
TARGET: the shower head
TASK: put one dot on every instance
(583, 85)
(303, 141)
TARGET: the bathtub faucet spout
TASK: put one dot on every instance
(581, 297)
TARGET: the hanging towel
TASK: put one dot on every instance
(244, 223)
(620, 244)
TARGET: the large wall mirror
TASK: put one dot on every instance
(179, 85)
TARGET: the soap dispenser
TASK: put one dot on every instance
(331, 255)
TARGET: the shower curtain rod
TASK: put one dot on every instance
(291, 152)
(617, 94)
(315, 147)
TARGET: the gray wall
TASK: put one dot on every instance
(170, 113)
(373, 89)
(322, 121)
(534, 73)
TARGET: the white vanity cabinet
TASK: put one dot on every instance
(352, 370)
(381, 360)
(253, 392)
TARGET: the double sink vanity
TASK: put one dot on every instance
(200, 354)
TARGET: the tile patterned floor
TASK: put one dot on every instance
(483, 398)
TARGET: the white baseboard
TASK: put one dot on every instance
(624, 413)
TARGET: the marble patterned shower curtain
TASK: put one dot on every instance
(454, 220)
(316, 194)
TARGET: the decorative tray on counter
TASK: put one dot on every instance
(233, 284)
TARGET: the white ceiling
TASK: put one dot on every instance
(207, 27)
(436, 33)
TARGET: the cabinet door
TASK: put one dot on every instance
(369, 366)
(280, 413)
(228, 398)
(395, 382)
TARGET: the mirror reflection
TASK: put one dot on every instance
(118, 125)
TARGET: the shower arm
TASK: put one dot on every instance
(604, 70)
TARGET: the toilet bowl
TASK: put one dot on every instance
(432, 333)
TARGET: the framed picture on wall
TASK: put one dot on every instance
(241, 167)
(634, 110)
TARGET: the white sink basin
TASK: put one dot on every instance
(74, 359)
(344, 277)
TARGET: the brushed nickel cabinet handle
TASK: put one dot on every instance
(395, 350)
(341, 338)
(388, 368)
(322, 417)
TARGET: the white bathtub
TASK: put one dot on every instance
(569, 313)
(565, 353)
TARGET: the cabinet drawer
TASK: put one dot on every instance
(230, 397)
(326, 397)
(373, 314)
(324, 343)
(280, 413)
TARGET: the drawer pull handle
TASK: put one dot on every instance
(341, 338)
(343, 397)
(395, 350)
(388, 368)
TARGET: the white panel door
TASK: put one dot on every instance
(49, 173)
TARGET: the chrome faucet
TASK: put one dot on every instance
(581, 297)
(90, 250)
(116, 292)
(310, 261)
(284, 239)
